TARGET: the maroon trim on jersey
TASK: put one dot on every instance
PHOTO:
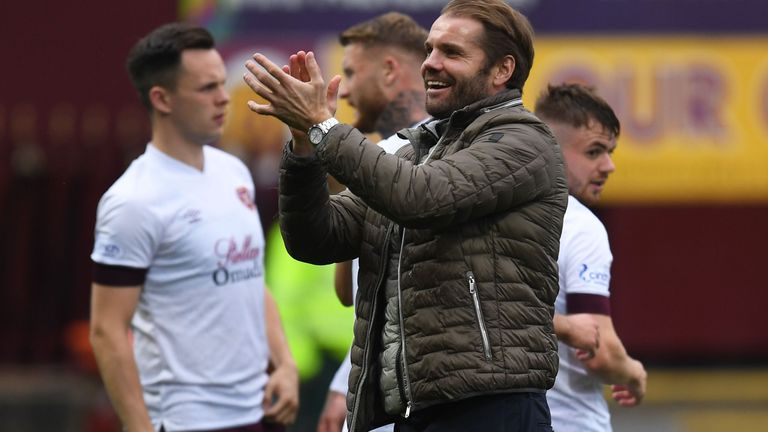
(118, 276)
(255, 427)
(587, 303)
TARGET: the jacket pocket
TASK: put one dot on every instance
(479, 315)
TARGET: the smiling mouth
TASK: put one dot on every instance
(436, 85)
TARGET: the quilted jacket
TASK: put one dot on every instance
(478, 263)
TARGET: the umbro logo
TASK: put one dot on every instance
(192, 216)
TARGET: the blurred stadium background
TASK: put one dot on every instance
(686, 210)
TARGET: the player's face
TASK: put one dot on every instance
(362, 86)
(454, 71)
(587, 153)
(199, 101)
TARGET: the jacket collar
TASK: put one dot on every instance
(435, 128)
(470, 112)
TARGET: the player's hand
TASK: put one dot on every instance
(334, 413)
(632, 394)
(281, 395)
(583, 334)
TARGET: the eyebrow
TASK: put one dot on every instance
(602, 146)
(212, 82)
(444, 45)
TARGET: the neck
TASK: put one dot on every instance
(403, 111)
(169, 141)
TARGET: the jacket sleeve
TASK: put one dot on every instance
(503, 167)
(317, 228)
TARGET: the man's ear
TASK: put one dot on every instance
(390, 70)
(503, 71)
(160, 99)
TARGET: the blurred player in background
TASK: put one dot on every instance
(587, 129)
(382, 81)
(182, 326)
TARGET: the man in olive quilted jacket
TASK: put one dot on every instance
(457, 234)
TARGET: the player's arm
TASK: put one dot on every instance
(334, 413)
(281, 396)
(614, 366)
(111, 312)
(335, 409)
(342, 282)
(579, 331)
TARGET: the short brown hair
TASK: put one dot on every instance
(155, 59)
(576, 105)
(390, 29)
(507, 32)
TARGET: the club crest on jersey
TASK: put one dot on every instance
(245, 197)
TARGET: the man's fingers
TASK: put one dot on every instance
(281, 412)
(585, 355)
(294, 66)
(624, 396)
(315, 75)
(263, 76)
(298, 68)
(301, 61)
(272, 71)
(268, 389)
(627, 401)
(332, 93)
(260, 108)
(260, 89)
(255, 84)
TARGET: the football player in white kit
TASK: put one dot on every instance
(587, 129)
(182, 326)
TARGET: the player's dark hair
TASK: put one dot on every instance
(155, 59)
(576, 105)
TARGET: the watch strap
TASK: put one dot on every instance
(327, 124)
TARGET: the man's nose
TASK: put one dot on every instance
(343, 90)
(223, 96)
(432, 62)
(608, 165)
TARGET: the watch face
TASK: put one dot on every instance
(315, 135)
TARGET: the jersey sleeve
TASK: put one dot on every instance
(586, 264)
(126, 234)
(340, 380)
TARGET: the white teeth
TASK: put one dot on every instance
(438, 84)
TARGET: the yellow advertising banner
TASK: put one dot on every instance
(693, 110)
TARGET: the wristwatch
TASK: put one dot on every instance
(317, 132)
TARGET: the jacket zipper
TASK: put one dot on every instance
(399, 374)
(406, 381)
(366, 351)
(479, 314)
